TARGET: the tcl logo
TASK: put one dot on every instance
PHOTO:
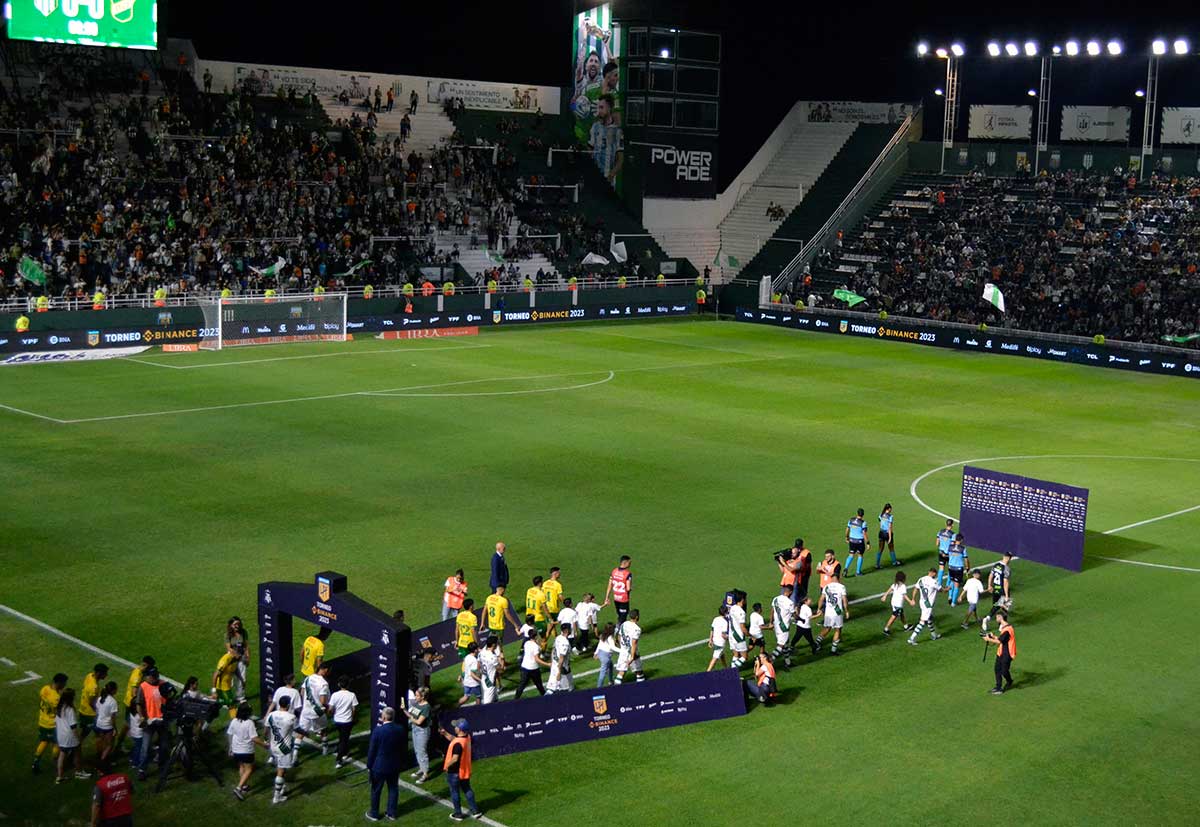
(689, 164)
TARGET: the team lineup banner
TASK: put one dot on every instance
(1095, 123)
(1000, 122)
(1181, 125)
(1033, 519)
(590, 714)
(1030, 345)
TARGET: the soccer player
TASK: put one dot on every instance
(783, 613)
(535, 604)
(222, 680)
(280, 728)
(898, 593)
(554, 599)
(629, 637)
(241, 733)
(757, 622)
(886, 537)
(131, 687)
(620, 588)
(495, 609)
(491, 666)
(313, 652)
(343, 707)
(998, 585)
(586, 615)
(738, 637)
(606, 138)
(471, 677)
(47, 709)
(464, 626)
(315, 691)
(718, 635)
(834, 611)
(92, 682)
(972, 590)
(927, 589)
(957, 565)
(561, 679)
(856, 541)
(827, 569)
(453, 592)
(943, 540)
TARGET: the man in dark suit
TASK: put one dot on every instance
(499, 567)
(385, 755)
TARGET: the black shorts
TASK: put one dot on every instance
(958, 576)
(943, 558)
(858, 546)
(244, 757)
(898, 611)
(884, 539)
(755, 641)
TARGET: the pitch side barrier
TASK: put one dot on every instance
(441, 639)
(591, 714)
(1123, 355)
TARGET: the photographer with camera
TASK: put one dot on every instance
(795, 568)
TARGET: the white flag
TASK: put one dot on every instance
(594, 258)
(991, 293)
(618, 252)
(274, 270)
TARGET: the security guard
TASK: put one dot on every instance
(43, 303)
(1006, 651)
(226, 293)
(318, 293)
(269, 295)
(22, 325)
(160, 297)
(368, 292)
(98, 300)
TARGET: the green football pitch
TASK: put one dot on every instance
(145, 498)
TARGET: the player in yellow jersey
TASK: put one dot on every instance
(464, 627)
(495, 609)
(554, 600)
(87, 700)
(131, 686)
(313, 652)
(535, 604)
(222, 680)
(47, 709)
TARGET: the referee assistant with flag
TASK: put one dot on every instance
(1006, 651)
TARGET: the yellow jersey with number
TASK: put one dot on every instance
(553, 590)
(535, 603)
(465, 629)
(87, 695)
(47, 706)
(313, 653)
(495, 606)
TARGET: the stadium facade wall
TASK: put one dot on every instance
(926, 157)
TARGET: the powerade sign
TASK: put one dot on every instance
(1029, 346)
(1034, 519)
(591, 714)
(679, 165)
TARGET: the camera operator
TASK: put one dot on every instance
(795, 566)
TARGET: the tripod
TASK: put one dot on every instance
(183, 752)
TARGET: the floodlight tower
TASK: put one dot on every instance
(952, 55)
(1158, 49)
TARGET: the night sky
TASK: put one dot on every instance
(774, 52)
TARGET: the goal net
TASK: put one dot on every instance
(276, 320)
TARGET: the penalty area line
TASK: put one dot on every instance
(390, 350)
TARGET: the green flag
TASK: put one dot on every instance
(1182, 340)
(991, 293)
(725, 260)
(274, 270)
(355, 268)
(849, 297)
(32, 272)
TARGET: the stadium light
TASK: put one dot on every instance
(1159, 47)
(1093, 48)
(665, 53)
(1114, 47)
(1141, 93)
(922, 49)
(939, 91)
(1011, 49)
(1072, 48)
(1031, 49)
(1057, 50)
(958, 51)
(1031, 93)
(942, 53)
(994, 49)
(1181, 47)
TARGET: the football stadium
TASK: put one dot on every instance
(410, 433)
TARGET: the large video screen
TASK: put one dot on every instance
(132, 24)
(598, 95)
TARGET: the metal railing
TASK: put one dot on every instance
(819, 236)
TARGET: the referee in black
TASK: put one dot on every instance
(1006, 651)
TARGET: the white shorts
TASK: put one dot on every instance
(560, 681)
(491, 694)
(284, 762)
(832, 620)
(312, 724)
(926, 614)
(738, 648)
(624, 664)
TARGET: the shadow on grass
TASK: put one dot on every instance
(659, 625)
(1099, 545)
(1024, 680)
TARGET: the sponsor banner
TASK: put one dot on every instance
(1181, 125)
(680, 165)
(991, 121)
(180, 348)
(441, 639)
(267, 79)
(1095, 123)
(42, 357)
(428, 333)
(857, 112)
(598, 89)
(1028, 345)
(1034, 519)
(590, 714)
(273, 332)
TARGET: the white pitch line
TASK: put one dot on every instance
(1153, 519)
(606, 379)
(34, 415)
(390, 350)
(1143, 563)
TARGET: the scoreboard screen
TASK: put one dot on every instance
(1033, 519)
(132, 24)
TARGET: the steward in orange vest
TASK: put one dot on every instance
(457, 767)
(1006, 652)
(763, 687)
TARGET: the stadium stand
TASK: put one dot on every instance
(1074, 253)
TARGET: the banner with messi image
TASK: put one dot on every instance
(598, 94)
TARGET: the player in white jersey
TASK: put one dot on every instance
(315, 694)
(739, 644)
(561, 679)
(755, 629)
(491, 664)
(280, 729)
(834, 611)
(783, 615)
(630, 656)
(926, 591)
(898, 594)
(972, 590)
(718, 637)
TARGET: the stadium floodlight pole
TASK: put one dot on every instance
(1043, 127)
(1157, 49)
(952, 56)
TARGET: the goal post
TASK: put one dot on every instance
(262, 320)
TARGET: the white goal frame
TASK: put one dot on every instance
(216, 318)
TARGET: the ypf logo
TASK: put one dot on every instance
(323, 589)
(46, 7)
(122, 10)
(600, 704)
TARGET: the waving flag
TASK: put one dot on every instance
(31, 271)
(849, 297)
(992, 294)
(274, 270)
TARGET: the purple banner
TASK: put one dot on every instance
(442, 637)
(587, 714)
(1034, 519)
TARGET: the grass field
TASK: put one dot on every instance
(145, 499)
